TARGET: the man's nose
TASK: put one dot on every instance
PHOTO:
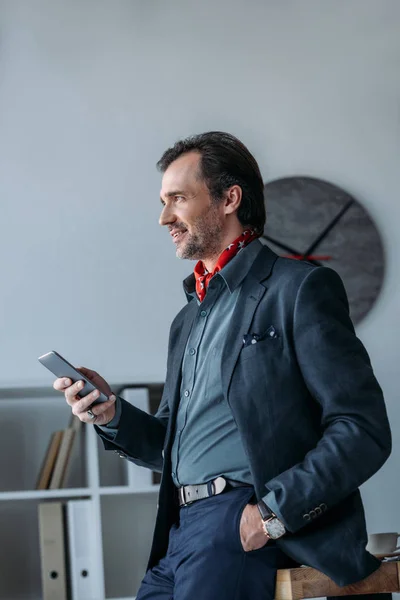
(166, 216)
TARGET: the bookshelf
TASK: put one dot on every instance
(124, 499)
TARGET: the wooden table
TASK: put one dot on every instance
(306, 582)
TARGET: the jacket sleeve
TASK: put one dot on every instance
(140, 436)
(356, 438)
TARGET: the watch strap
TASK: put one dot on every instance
(265, 512)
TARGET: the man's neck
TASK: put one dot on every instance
(211, 261)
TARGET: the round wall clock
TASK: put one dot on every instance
(310, 219)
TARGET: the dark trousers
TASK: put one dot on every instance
(205, 558)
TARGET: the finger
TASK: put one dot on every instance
(83, 404)
(102, 407)
(71, 393)
(94, 414)
(61, 383)
(86, 417)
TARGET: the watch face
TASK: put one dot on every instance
(274, 528)
(314, 220)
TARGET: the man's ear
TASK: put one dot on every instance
(233, 198)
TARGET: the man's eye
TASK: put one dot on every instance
(179, 198)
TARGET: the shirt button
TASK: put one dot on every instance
(173, 473)
(203, 313)
(192, 351)
(186, 393)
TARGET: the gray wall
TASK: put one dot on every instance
(91, 93)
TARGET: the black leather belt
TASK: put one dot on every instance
(191, 493)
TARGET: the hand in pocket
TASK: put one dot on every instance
(252, 534)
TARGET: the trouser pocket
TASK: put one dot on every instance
(246, 494)
(244, 501)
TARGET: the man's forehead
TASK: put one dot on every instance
(181, 172)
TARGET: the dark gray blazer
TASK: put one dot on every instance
(307, 405)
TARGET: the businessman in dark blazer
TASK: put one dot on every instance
(271, 416)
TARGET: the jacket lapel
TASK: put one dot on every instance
(250, 296)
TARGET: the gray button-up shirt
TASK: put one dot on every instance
(207, 442)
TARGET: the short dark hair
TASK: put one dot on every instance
(225, 161)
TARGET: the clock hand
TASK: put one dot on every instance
(293, 253)
(328, 228)
(280, 245)
(313, 261)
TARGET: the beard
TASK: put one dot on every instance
(205, 238)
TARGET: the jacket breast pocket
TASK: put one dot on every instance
(261, 344)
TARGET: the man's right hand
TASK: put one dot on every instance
(104, 411)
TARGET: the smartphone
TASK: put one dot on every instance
(62, 368)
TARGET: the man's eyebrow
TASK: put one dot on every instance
(172, 194)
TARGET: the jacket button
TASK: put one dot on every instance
(313, 514)
(306, 517)
(323, 506)
(318, 510)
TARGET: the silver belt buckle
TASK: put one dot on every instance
(218, 484)
(182, 497)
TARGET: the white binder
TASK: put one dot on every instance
(139, 478)
(82, 551)
(52, 551)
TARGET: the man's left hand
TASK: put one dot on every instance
(252, 533)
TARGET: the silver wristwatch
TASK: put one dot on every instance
(273, 527)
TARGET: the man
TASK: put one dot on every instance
(271, 417)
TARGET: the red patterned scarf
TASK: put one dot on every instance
(203, 276)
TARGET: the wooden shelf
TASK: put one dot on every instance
(125, 489)
(46, 494)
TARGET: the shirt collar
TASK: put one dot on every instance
(233, 273)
